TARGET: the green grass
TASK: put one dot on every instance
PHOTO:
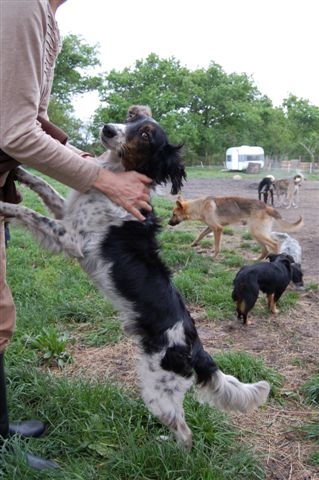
(97, 430)
(220, 172)
(310, 390)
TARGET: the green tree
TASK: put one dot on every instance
(303, 123)
(206, 109)
(74, 75)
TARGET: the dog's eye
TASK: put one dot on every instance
(144, 135)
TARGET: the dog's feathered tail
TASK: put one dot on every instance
(226, 392)
(283, 224)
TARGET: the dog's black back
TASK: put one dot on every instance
(141, 277)
(270, 278)
(265, 188)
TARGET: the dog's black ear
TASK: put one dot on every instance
(290, 258)
(172, 168)
(287, 263)
(272, 257)
(177, 171)
(296, 274)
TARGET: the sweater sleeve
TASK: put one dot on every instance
(24, 25)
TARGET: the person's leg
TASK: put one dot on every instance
(31, 428)
(7, 308)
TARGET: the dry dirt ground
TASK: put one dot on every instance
(288, 343)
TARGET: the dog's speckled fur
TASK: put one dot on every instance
(121, 256)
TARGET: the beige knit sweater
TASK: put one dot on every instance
(29, 45)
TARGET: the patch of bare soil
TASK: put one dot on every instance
(288, 342)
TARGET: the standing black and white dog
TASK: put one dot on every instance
(121, 255)
(266, 189)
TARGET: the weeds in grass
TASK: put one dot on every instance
(310, 390)
(51, 347)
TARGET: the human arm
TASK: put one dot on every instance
(28, 30)
(26, 27)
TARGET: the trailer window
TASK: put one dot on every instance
(251, 158)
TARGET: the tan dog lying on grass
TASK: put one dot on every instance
(217, 212)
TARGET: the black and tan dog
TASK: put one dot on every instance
(217, 212)
(272, 278)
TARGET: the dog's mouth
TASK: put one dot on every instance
(130, 162)
(173, 222)
(108, 143)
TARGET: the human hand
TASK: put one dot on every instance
(130, 190)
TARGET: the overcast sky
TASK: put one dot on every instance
(273, 41)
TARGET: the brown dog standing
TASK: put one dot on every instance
(217, 212)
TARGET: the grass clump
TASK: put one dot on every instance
(310, 390)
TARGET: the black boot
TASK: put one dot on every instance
(27, 429)
(32, 428)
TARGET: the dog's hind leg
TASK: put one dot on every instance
(272, 303)
(201, 236)
(52, 234)
(50, 197)
(276, 297)
(241, 311)
(163, 392)
(272, 197)
(267, 246)
(218, 233)
(263, 254)
(261, 233)
(245, 296)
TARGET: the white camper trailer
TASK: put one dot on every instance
(238, 158)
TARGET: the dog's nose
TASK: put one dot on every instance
(109, 131)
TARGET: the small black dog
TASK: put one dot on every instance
(271, 278)
(265, 188)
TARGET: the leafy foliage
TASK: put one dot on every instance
(74, 75)
(206, 109)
